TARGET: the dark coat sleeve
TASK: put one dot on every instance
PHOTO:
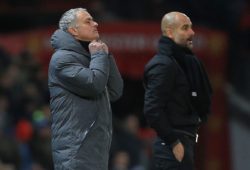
(159, 83)
(83, 81)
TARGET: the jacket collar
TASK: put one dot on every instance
(169, 48)
(62, 40)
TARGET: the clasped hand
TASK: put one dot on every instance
(97, 46)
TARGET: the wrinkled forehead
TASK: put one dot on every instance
(83, 15)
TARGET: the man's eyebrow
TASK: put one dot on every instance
(89, 18)
(186, 25)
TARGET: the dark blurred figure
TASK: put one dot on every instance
(41, 140)
(5, 59)
(5, 123)
(126, 144)
(120, 161)
(9, 153)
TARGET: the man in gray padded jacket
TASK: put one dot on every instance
(83, 79)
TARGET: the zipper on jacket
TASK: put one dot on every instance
(108, 99)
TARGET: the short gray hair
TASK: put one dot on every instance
(68, 18)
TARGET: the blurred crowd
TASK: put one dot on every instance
(24, 110)
(24, 96)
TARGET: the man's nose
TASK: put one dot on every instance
(95, 24)
(192, 31)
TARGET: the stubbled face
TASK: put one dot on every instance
(86, 27)
(182, 33)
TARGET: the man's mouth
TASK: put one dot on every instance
(190, 40)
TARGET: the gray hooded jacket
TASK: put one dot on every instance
(81, 88)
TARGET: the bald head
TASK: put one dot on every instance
(178, 27)
(171, 20)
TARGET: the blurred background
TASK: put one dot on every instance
(131, 29)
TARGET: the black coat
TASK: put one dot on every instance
(170, 94)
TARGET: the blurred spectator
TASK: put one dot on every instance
(120, 161)
(24, 132)
(4, 59)
(10, 87)
(23, 90)
(125, 139)
(41, 141)
(4, 117)
(147, 136)
(9, 153)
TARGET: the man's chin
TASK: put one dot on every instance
(97, 37)
(190, 46)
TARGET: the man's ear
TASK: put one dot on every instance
(72, 30)
(169, 32)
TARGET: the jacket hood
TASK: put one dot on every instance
(62, 40)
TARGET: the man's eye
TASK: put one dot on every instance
(89, 20)
(185, 27)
